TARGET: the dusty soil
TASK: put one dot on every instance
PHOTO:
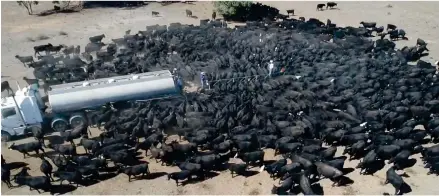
(419, 19)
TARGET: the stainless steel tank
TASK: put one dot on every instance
(81, 95)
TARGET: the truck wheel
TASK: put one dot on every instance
(59, 125)
(6, 137)
(76, 120)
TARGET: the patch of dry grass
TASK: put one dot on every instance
(30, 39)
(205, 186)
(42, 37)
(349, 191)
(410, 171)
(255, 191)
(180, 191)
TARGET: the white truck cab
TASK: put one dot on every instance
(21, 111)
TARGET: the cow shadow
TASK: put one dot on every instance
(405, 188)
(377, 165)
(62, 189)
(153, 176)
(316, 188)
(247, 174)
(100, 178)
(198, 179)
(16, 165)
(343, 181)
(347, 170)
(406, 164)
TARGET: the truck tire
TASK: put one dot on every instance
(6, 137)
(77, 119)
(59, 125)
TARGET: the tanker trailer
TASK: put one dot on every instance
(70, 104)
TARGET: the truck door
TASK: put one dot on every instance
(11, 122)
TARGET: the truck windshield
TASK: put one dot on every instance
(6, 112)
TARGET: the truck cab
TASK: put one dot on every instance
(20, 112)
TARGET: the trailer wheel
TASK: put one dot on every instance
(6, 137)
(76, 120)
(59, 125)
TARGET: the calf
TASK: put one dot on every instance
(237, 168)
(87, 56)
(284, 148)
(96, 39)
(185, 174)
(253, 157)
(393, 178)
(37, 132)
(368, 24)
(56, 49)
(70, 177)
(379, 30)
(34, 182)
(156, 153)
(27, 147)
(6, 86)
(88, 144)
(290, 12)
(331, 5)
(294, 167)
(135, 170)
(25, 59)
(328, 171)
(391, 27)
(190, 148)
(275, 167)
(213, 15)
(68, 50)
(433, 168)
(355, 150)
(77, 50)
(46, 168)
(64, 149)
(6, 175)
(93, 47)
(155, 13)
(188, 13)
(286, 185)
(420, 42)
(193, 167)
(338, 163)
(320, 7)
(42, 48)
(368, 161)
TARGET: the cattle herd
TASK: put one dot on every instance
(331, 86)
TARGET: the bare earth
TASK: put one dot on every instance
(418, 19)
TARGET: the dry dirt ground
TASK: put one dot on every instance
(419, 19)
